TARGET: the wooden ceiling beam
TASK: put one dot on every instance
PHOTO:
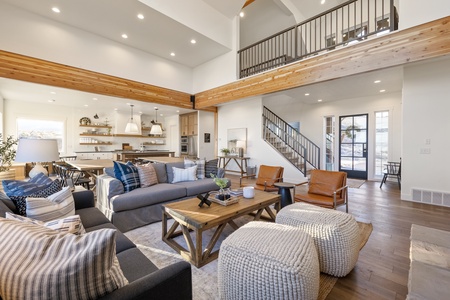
(426, 41)
(25, 68)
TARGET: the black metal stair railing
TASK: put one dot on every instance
(347, 23)
(294, 146)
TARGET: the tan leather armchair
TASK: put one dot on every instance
(267, 176)
(326, 189)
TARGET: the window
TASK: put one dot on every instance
(355, 34)
(44, 129)
(330, 41)
(329, 143)
(381, 141)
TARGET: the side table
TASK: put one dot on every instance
(284, 190)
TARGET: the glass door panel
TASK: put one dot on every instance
(353, 145)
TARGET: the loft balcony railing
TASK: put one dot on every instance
(345, 24)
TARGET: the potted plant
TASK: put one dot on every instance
(7, 156)
(222, 184)
(225, 151)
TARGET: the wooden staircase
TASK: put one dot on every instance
(292, 145)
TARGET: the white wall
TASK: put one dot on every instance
(71, 117)
(415, 12)
(206, 124)
(247, 114)
(426, 125)
(311, 120)
(29, 34)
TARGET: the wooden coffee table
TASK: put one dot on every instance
(190, 217)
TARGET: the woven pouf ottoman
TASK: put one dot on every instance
(264, 260)
(335, 234)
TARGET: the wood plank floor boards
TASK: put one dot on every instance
(383, 264)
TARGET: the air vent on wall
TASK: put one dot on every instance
(431, 197)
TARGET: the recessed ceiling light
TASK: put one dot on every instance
(95, 99)
(172, 54)
(322, 2)
(140, 112)
(140, 16)
(377, 81)
(382, 91)
(116, 109)
(51, 100)
(124, 36)
(56, 10)
(86, 105)
(193, 41)
(320, 100)
(307, 94)
(177, 111)
(241, 14)
(53, 93)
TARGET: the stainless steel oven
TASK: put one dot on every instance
(184, 145)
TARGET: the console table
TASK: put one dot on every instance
(241, 162)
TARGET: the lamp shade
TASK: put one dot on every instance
(156, 129)
(240, 144)
(131, 128)
(37, 150)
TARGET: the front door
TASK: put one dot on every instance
(353, 145)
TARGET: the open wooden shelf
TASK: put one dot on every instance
(96, 126)
(99, 144)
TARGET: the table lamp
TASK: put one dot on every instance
(37, 151)
(240, 145)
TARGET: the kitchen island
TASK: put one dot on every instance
(130, 155)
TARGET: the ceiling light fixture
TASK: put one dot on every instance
(124, 36)
(377, 81)
(382, 91)
(131, 126)
(193, 41)
(241, 14)
(56, 10)
(172, 53)
(140, 16)
(156, 127)
(320, 100)
(95, 99)
(307, 94)
(322, 2)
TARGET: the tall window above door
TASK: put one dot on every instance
(42, 129)
(381, 141)
(329, 136)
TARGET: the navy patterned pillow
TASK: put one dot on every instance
(20, 201)
(42, 179)
(25, 188)
(128, 174)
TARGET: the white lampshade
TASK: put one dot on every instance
(156, 129)
(131, 128)
(37, 151)
(240, 144)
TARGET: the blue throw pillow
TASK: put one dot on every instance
(25, 188)
(20, 201)
(128, 175)
(42, 179)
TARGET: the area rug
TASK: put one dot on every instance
(204, 279)
(355, 183)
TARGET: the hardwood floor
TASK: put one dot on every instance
(383, 264)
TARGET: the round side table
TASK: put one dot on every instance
(284, 190)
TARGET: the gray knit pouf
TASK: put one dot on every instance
(335, 234)
(264, 260)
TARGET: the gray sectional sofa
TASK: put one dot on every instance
(146, 281)
(143, 206)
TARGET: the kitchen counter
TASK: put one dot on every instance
(131, 155)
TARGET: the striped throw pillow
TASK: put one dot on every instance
(49, 265)
(189, 174)
(56, 206)
(20, 201)
(147, 175)
(70, 224)
(128, 175)
(200, 163)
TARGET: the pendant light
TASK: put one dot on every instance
(156, 127)
(131, 126)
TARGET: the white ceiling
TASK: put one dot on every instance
(159, 35)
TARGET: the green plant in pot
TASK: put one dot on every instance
(225, 151)
(7, 156)
(222, 184)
